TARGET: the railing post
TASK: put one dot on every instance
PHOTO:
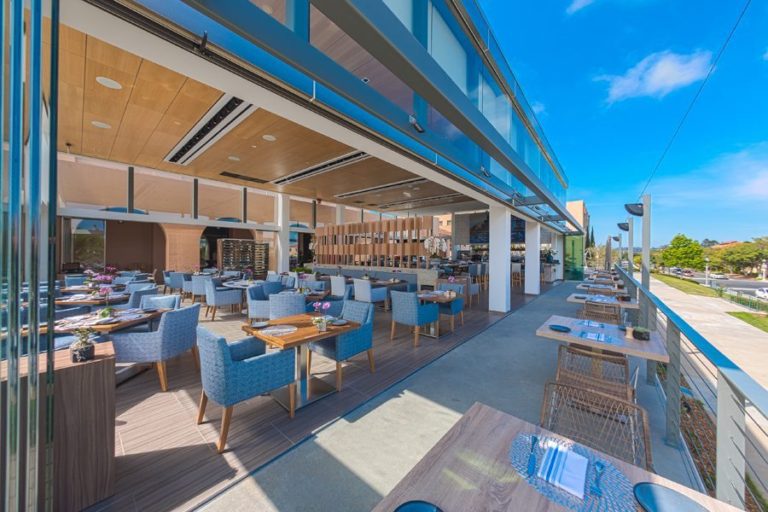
(672, 387)
(731, 464)
(650, 323)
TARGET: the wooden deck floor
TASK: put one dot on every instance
(167, 462)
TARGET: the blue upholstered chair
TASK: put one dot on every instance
(127, 273)
(364, 292)
(232, 273)
(407, 310)
(186, 286)
(166, 281)
(349, 344)
(123, 279)
(198, 287)
(176, 282)
(74, 280)
(215, 298)
(134, 301)
(272, 287)
(258, 301)
(274, 278)
(286, 304)
(234, 372)
(315, 286)
(176, 334)
(140, 285)
(456, 306)
(161, 302)
(340, 292)
(288, 281)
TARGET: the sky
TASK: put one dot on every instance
(611, 79)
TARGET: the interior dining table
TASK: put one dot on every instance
(581, 298)
(484, 462)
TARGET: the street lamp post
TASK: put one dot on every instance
(706, 271)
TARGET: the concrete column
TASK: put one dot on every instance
(454, 253)
(284, 235)
(500, 238)
(560, 256)
(532, 257)
(339, 214)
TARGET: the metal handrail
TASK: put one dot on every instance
(738, 378)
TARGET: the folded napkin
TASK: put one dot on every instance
(101, 321)
(125, 318)
(565, 469)
(78, 296)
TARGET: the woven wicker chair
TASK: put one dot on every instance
(606, 373)
(601, 312)
(600, 421)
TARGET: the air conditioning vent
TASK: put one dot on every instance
(243, 177)
(415, 203)
(222, 117)
(381, 188)
(322, 168)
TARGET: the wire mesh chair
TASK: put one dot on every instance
(603, 422)
(606, 373)
(601, 312)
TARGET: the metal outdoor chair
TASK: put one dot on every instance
(598, 420)
(601, 312)
(606, 373)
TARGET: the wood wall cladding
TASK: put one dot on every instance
(384, 243)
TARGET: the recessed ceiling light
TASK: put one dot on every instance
(101, 124)
(365, 79)
(269, 138)
(233, 158)
(108, 83)
(407, 194)
(254, 146)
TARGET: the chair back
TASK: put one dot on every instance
(474, 269)
(452, 287)
(286, 304)
(288, 281)
(215, 362)
(160, 301)
(599, 421)
(338, 286)
(256, 292)
(198, 284)
(272, 287)
(362, 289)
(176, 280)
(178, 330)
(123, 279)
(602, 312)
(74, 280)
(356, 311)
(134, 286)
(274, 278)
(167, 277)
(135, 299)
(405, 307)
(607, 373)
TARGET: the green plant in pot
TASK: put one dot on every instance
(106, 312)
(82, 349)
(641, 333)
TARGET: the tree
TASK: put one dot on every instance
(591, 242)
(708, 243)
(683, 252)
(745, 256)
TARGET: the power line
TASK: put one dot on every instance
(696, 96)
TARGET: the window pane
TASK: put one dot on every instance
(261, 208)
(155, 192)
(326, 215)
(301, 213)
(403, 9)
(90, 186)
(220, 202)
(88, 243)
(447, 50)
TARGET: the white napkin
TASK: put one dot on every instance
(565, 469)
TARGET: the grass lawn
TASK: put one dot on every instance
(759, 321)
(685, 285)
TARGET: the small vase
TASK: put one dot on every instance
(82, 354)
(322, 327)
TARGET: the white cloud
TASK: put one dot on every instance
(577, 5)
(538, 108)
(657, 75)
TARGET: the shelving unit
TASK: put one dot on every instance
(236, 254)
(385, 243)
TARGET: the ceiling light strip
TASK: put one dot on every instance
(382, 188)
(316, 170)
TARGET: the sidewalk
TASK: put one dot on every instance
(745, 345)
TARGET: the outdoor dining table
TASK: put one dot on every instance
(298, 332)
(432, 329)
(120, 320)
(581, 298)
(81, 288)
(471, 468)
(604, 336)
(242, 284)
(92, 301)
(604, 289)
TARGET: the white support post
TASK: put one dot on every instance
(284, 235)
(339, 214)
(499, 272)
(631, 246)
(454, 252)
(731, 445)
(532, 257)
(560, 256)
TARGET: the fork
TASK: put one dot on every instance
(595, 488)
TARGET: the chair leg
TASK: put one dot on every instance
(213, 313)
(196, 357)
(437, 328)
(338, 375)
(370, 360)
(225, 419)
(392, 331)
(291, 400)
(201, 409)
(453, 323)
(309, 362)
(162, 375)
(416, 336)
(462, 318)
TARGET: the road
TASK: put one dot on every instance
(747, 286)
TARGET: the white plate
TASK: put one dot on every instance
(279, 330)
(340, 321)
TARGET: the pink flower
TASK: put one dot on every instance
(451, 279)
(316, 305)
(104, 290)
(326, 305)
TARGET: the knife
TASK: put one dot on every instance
(532, 456)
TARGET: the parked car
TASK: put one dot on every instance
(688, 273)
(676, 270)
(761, 293)
(717, 275)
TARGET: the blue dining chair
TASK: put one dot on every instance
(456, 306)
(258, 301)
(160, 302)
(134, 301)
(234, 372)
(288, 282)
(286, 304)
(345, 346)
(198, 287)
(186, 286)
(74, 280)
(272, 287)
(176, 282)
(216, 298)
(474, 271)
(407, 310)
(166, 281)
(274, 278)
(364, 292)
(123, 279)
(175, 334)
(133, 286)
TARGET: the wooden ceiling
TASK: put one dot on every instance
(157, 107)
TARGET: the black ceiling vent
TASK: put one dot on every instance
(222, 117)
(243, 177)
(322, 168)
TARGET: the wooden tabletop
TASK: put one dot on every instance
(581, 298)
(614, 339)
(604, 289)
(62, 360)
(469, 469)
(306, 332)
(96, 301)
(441, 298)
(117, 325)
(86, 289)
